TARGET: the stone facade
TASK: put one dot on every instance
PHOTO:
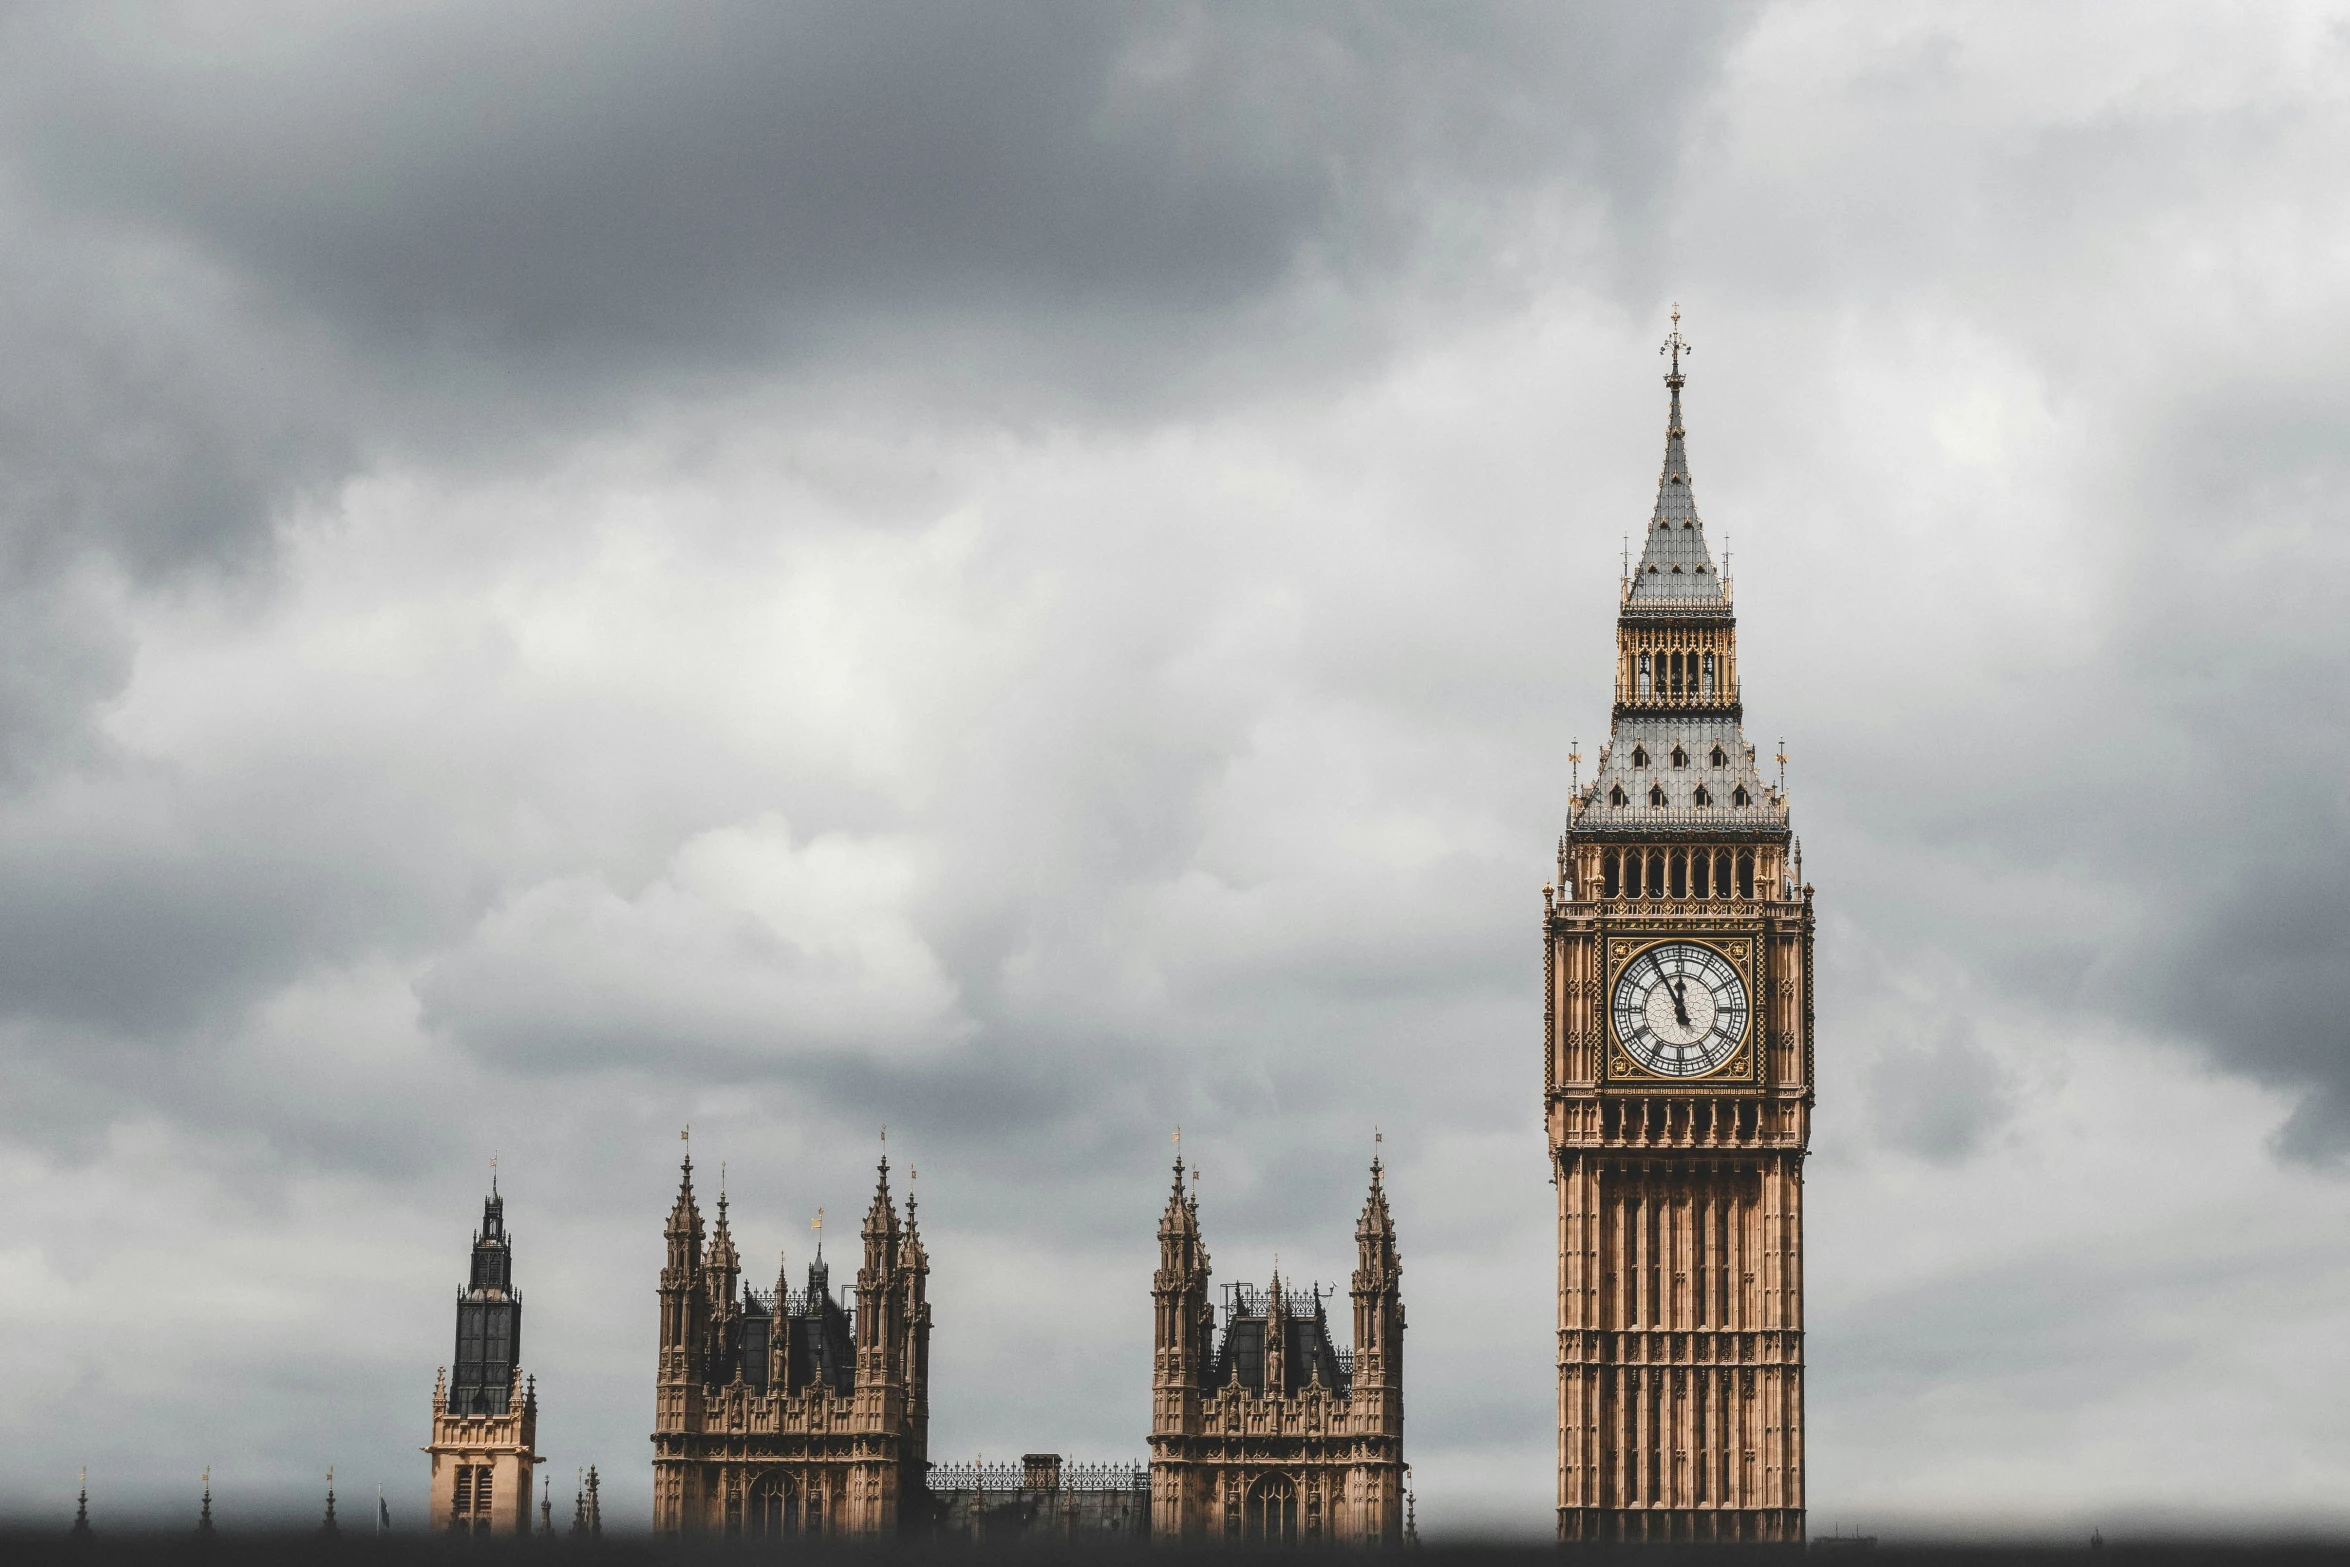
(485, 1422)
(1273, 1436)
(788, 1414)
(1677, 953)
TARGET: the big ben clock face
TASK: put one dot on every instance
(1680, 1009)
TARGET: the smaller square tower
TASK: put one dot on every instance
(485, 1420)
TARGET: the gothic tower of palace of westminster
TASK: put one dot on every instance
(485, 1419)
(1275, 1435)
(1677, 1066)
(788, 1414)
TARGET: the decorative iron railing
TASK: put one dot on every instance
(1247, 1300)
(796, 1303)
(1634, 817)
(1695, 605)
(986, 1477)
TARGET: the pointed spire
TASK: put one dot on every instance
(81, 1506)
(722, 1258)
(685, 1180)
(204, 1518)
(328, 1526)
(882, 1217)
(1674, 560)
(1376, 1264)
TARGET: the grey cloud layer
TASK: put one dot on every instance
(1026, 573)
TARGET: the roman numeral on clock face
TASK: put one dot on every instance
(1680, 1009)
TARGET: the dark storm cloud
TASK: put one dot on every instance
(536, 202)
(251, 254)
(2243, 861)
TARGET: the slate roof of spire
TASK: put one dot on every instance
(1674, 561)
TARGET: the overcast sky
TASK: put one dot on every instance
(1030, 573)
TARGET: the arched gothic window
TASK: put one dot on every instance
(1680, 875)
(1656, 796)
(1739, 796)
(1644, 674)
(774, 1510)
(1709, 674)
(1609, 883)
(1746, 875)
(1640, 756)
(1703, 798)
(1271, 1511)
(1720, 758)
(1701, 878)
(1680, 757)
(1615, 794)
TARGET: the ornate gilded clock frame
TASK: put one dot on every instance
(1742, 947)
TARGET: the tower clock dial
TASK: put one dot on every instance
(1680, 1009)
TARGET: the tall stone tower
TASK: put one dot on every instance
(485, 1420)
(1677, 1076)
(787, 1414)
(1275, 1436)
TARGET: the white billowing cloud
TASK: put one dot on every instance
(747, 946)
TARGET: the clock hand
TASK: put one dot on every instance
(1680, 1009)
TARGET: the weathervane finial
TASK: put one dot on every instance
(1676, 345)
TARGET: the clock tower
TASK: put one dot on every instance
(1677, 1079)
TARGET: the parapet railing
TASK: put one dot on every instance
(984, 1477)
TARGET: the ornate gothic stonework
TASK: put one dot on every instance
(1677, 953)
(785, 1414)
(1275, 1436)
(485, 1422)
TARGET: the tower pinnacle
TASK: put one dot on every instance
(1676, 345)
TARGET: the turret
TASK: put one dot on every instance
(685, 1313)
(1183, 1319)
(914, 1287)
(721, 1270)
(1378, 1301)
(881, 1310)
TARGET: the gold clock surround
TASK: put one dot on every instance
(1742, 950)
